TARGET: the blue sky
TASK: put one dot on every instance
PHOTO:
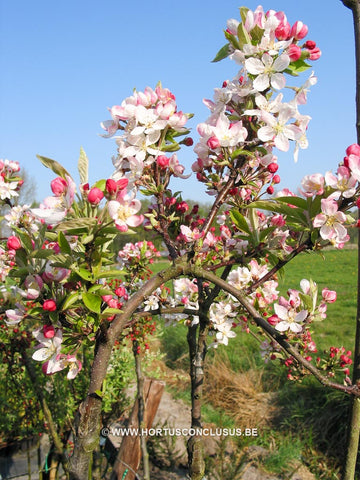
(63, 63)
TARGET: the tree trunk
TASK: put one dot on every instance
(354, 421)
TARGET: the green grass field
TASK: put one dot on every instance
(313, 418)
(335, 269)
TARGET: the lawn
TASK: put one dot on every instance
(313, 418)
(335, 269)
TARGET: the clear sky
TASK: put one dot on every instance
(63, 63)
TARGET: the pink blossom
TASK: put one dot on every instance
(278, 220)
(290, 319)
(343, 183)
(330, 222)
(48, 331)
(329, 296)
(123, 212)
(55, 274)
(313, 184)
(354, 166)
(188, 234)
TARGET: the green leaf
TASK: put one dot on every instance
(92, 302)
(264, 233)
(100, 184)
(110, 274)
(239, 152)
(222, 53)
(70, 300)
(85, 274)
(278, 207)
(110, 311)
(240, 221)
(256, 34)
(76, 224)
(297, 67)
(243, 35)
(232, 39)
(83, 166)
(43, 253)
(297, 201)
(63, 243)
(243, 13)
(54, 166)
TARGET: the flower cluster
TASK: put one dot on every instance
(149, 121)
(244, 116)
(10, 182)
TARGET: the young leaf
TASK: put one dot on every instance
(85, 274)
(222, 53)
(54, 166)
(92, 302)
(297, 201)
(240, 221)
(243, 13)
(243, 35)
(63, 243)
(83, 165)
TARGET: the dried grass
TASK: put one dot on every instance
(240, 394)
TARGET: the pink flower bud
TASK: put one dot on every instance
(278, 220)
(13, 243)
(353, 149)
(120, 291)
(329, 296)
(111, 186)
(294, 52)
(273, 320)
(48, 331)
(315, 54)
(162, 161)
(282, 32)
(95, 196)
(58, 186)
(49, 306)
(213, 143)
(299, 30)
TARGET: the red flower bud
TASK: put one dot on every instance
(111, 186)
(270, 190)
(49, 306)
(276, 179)
(272, 167)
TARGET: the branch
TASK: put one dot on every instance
(274, 334)
(278, 266)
